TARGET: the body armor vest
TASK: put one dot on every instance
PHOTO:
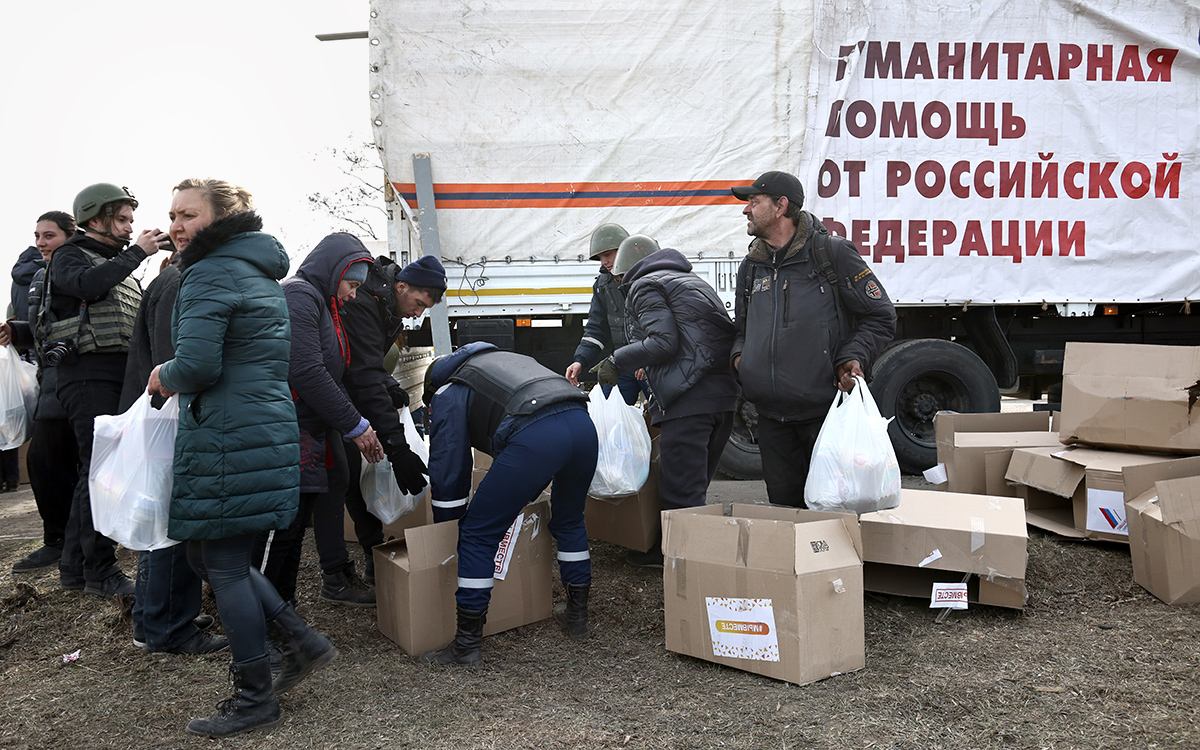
(105, 325)
(515, 381)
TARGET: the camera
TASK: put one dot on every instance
(57, 352)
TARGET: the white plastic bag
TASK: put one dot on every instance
(132, 472)
(854, 468)
(18, 398)
(383, 496)
(623, 463)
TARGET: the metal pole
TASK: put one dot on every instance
(439, 316)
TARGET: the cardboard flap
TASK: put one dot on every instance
(429, 546)
(699, 535)
(949, 422)
(824, 545)
(1139, 479)
(1044, 469)
(1179, 500)
(802, 515)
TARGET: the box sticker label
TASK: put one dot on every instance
(742, 628)
(937, 474)
(948, 596)
(1106, 512)
(505, 551)
(931, 557)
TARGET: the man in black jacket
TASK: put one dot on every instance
(800, 337)
(87, 325)
(681, 336)
(373, 324)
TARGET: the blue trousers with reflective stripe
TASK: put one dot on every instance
(560, 447)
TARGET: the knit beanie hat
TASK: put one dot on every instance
(357, 271)
(426, 271)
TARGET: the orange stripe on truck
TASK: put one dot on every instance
(575, 194)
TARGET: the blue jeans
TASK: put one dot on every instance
(630, 387)
(561, 447)
(167, 598)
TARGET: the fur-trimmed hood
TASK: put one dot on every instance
(224, 237)
(761, 251)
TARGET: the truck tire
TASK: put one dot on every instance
(740, 459)
(914, 380)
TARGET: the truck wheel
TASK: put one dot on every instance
(740, 459)
(914, 380)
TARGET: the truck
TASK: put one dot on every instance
(1019, 173)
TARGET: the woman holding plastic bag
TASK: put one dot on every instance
(237, 458)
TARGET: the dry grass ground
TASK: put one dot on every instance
(1094, 661)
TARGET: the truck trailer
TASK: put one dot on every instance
(1018, 173)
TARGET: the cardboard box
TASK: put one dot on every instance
(968, 444)
(1131, 397)
(422, 516)
(1090, 478)
(769, 590)
(946, 537)
(415, 580)
(1163, 505)
(633, 521)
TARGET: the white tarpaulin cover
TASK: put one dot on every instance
(544, 120)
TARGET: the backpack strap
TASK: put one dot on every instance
(823, 259)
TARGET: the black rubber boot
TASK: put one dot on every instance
(464, 649)
(253, 705)
(304, 649)
(573, 615)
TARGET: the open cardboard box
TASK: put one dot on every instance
(973, 448)
(415, 581)
(770, 590)
(946, 537)
(1087, 480)
(1132, 397)
(1163, 504)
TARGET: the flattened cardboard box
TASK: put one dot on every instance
(415, 581)
(942, 537)
(774, 591)
(1132, 397)
(1163, 505)
(966, 441)
(1090, 478)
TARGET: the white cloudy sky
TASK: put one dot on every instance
(144, 93)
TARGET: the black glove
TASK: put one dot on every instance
(410, 471)
(606, 372)
(398, 394)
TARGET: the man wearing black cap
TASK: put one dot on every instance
(810, 316)
(373, 323)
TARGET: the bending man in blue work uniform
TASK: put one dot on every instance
(535, 426)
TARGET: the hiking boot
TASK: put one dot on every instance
(42, 557)
(304, 649)
(464, 650)
(573, 615)
(253, 705)
(368, 575)
(117, 584)
(200, 643)
(203, 622)
(346, 588)
(651, 559)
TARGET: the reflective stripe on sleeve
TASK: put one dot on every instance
(593, 341)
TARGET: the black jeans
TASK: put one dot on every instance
(277, 553)
(53, 461)
(10, 465)
(690, 449)
(786, 450)
(87, 554)
(246, 600)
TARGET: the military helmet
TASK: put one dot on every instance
(93, 198)
(607, 237)
(633, 248)
(427, 390)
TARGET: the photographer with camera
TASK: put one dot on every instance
(86, 325)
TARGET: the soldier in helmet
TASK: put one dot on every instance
(680, 334)
(84, 331)
(605, 329)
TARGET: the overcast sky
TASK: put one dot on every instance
(145, 93)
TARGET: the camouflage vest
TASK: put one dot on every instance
(105, 325)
